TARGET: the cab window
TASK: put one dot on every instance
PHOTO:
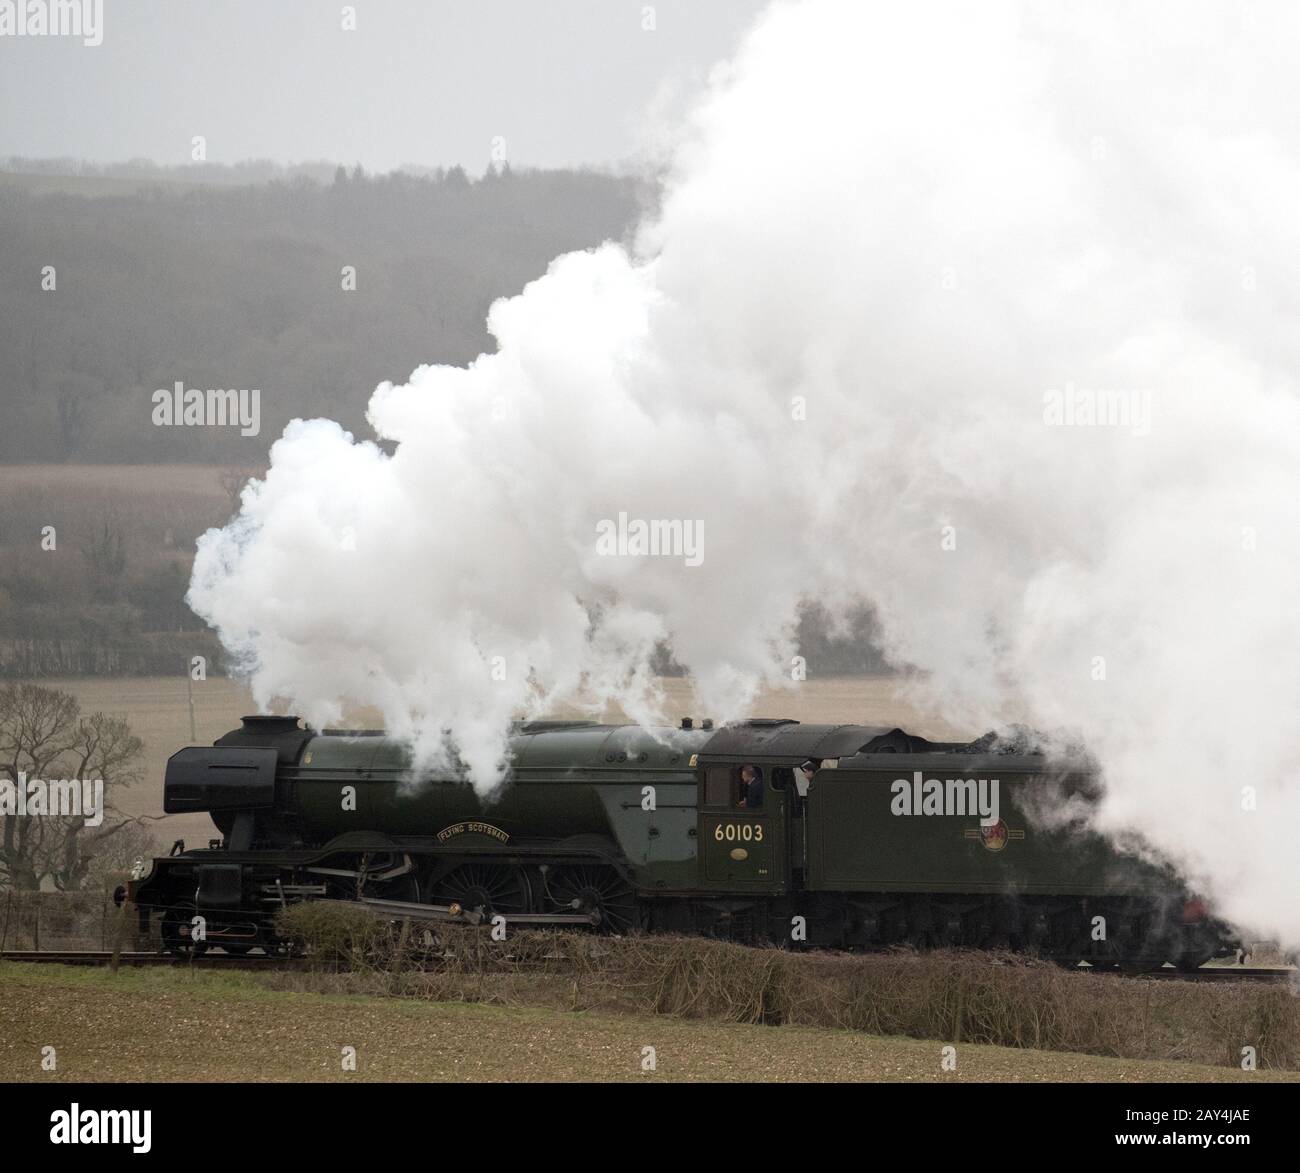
(749, 788)
(718, 787)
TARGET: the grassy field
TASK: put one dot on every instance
(167, 1025)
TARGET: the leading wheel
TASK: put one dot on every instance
(177, 931)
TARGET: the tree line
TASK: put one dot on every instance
(310, 291)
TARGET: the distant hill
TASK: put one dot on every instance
(196, 275)
(40, 183)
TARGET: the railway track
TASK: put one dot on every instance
(218, 960)
(1223, 973)
(137, 959)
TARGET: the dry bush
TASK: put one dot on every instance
(995, 999)
(334, 933)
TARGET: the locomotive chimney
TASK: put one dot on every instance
(266, 725)
(688, 723)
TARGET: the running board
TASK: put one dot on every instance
(454, 914)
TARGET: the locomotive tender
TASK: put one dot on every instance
(829, 836)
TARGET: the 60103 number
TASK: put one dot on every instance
(738, 832)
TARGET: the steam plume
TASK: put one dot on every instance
(898, 247)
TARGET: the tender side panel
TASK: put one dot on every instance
(859, 843)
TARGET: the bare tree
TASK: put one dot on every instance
(105, 555)
(115, 856)
(72, 421)
(233, 480)
(43, 735)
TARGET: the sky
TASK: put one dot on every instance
(428, 82)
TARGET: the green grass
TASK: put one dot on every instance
(174, 1025)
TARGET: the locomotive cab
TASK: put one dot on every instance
(753, 779)
(742, 819)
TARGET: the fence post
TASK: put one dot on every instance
(9, 904)
(118, 930)
(36, 936)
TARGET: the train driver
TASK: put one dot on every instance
(751, 788)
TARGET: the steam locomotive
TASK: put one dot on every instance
(825, 836)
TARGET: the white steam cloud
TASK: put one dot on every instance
(895, 241)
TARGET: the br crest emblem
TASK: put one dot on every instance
(994, 838)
